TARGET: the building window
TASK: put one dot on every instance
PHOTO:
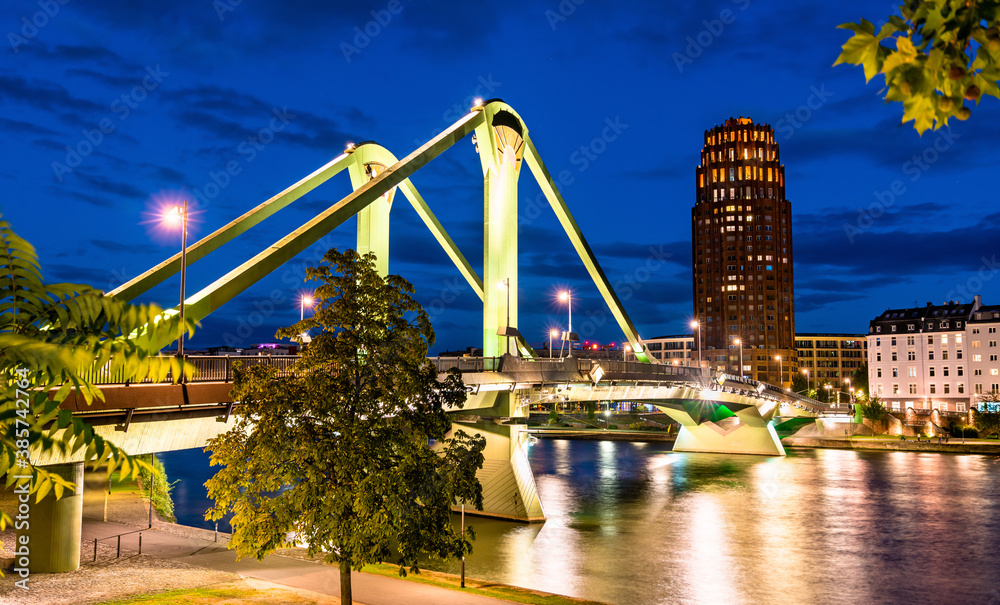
(878, 341)
(909, 339)
(912, 372)
(895, 372)
(878, 356)
(878, 372)
(911, 356)
(913, 389)
(959, 407)
(944, 355)
(933, 389)
(977, 358)
(895, 389)
(961, 387)
(930, 372)
(947, 388)
(945, 371)
(894, 356)
(893, 343)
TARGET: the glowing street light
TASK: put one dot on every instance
(178, 215)
(739, 342)
(626, 349)
(781, 370)
(552, 334)
(567, 296)
(696, 325)
(808, 382)
(305, 301)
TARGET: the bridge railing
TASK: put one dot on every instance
(466, 364)
(208, 368)
(638, 369)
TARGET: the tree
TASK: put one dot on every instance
(799, 383)
(859, 380)
(59, 337)
(946, 52)
(336, 455)
(873, 409)
(987, 417)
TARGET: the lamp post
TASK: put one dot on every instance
(552, 334)
(739, 342)
(505, 286)
(305, 301)
(567, 296)
(626, 349)
(175, 215)
(781, 371)
(808, 383)
(697, 326)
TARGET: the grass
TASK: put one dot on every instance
(221, 594)
(479, 587)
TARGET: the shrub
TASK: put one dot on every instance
(612, 426)
(957, 431)
(638, 426)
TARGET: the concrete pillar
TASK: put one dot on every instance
(501, 145)
(508, 485)
(373, 221)
(54, 525)
(95, 494)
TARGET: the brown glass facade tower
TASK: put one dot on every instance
(741, 236)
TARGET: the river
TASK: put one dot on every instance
(633, 523)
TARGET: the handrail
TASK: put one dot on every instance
(119, 536)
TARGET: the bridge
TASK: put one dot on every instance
(717, 413)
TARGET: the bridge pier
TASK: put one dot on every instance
(745, 431)
(508, 485)
(54, 526)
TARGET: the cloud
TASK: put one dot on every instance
(43, 95)
(119, 247)
(23, 128)
(107, 185)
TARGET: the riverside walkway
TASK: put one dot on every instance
(204, 552)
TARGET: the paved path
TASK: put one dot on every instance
(369, 589)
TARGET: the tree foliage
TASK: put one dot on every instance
(56, 337)
(337, 456)
(986, 421)
(935, 57)
(873, 409)
(859, 380)
(800, 383)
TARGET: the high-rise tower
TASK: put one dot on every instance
(741, 237)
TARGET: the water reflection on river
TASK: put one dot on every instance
(634, 523)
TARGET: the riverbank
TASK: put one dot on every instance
(894, 444)
(601, 435)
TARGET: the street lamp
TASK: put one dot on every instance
(808, 382)
(507, 331)
(552, 334)
(739, 342)
(626, 349)
(305, 301)
(179, 215)
(567, 296)
(781, 371)
(697, 326)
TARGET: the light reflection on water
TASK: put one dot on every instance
(635, 523)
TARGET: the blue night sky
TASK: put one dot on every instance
(183, 88)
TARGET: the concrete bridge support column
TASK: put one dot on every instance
(373, 220)
(501, 148)
(508, 484)
(54, 525)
